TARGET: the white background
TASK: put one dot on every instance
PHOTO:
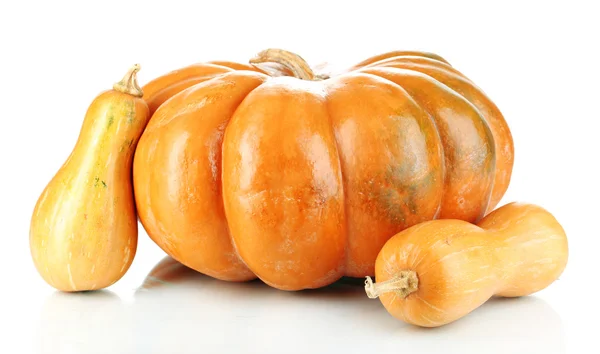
(537, 60)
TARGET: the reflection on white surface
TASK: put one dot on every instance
(177, 310)
(93, 322)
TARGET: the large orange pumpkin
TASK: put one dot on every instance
(300, 179)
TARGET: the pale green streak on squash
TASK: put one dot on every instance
(98, 182)
(111, 120)
(130, 107)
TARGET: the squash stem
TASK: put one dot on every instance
(129, 84)
(298, 66)
(403, 284)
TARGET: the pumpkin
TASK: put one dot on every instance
(439, 271)
(301, 179)
(83, 232)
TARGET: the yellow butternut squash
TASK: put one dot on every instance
(83, 232)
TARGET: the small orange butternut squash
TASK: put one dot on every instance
(83, 232)
(436, 272)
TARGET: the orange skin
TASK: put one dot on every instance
(502, 138)
(300, 182)
(180, 204)
(516, 250)
(397, 54)
(157, 91)
(83, 233)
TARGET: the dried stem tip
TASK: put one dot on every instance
(129, 84)
(298, 66)
(403, 284)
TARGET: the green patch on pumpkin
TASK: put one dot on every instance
(396, 197)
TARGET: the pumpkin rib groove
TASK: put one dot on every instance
(392, 62)
(396, 54)
(412, 81)
(220, 172)
(178, 80)
(235, 66)
(432, 121)
(202, 119)
(226, 217)
(504, 149)
(343, 185)
(383, 198)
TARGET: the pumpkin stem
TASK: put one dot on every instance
(129, 84)
(403, 284)
(298, 66)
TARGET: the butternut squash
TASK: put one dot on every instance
(438, 271)
(83, 232)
